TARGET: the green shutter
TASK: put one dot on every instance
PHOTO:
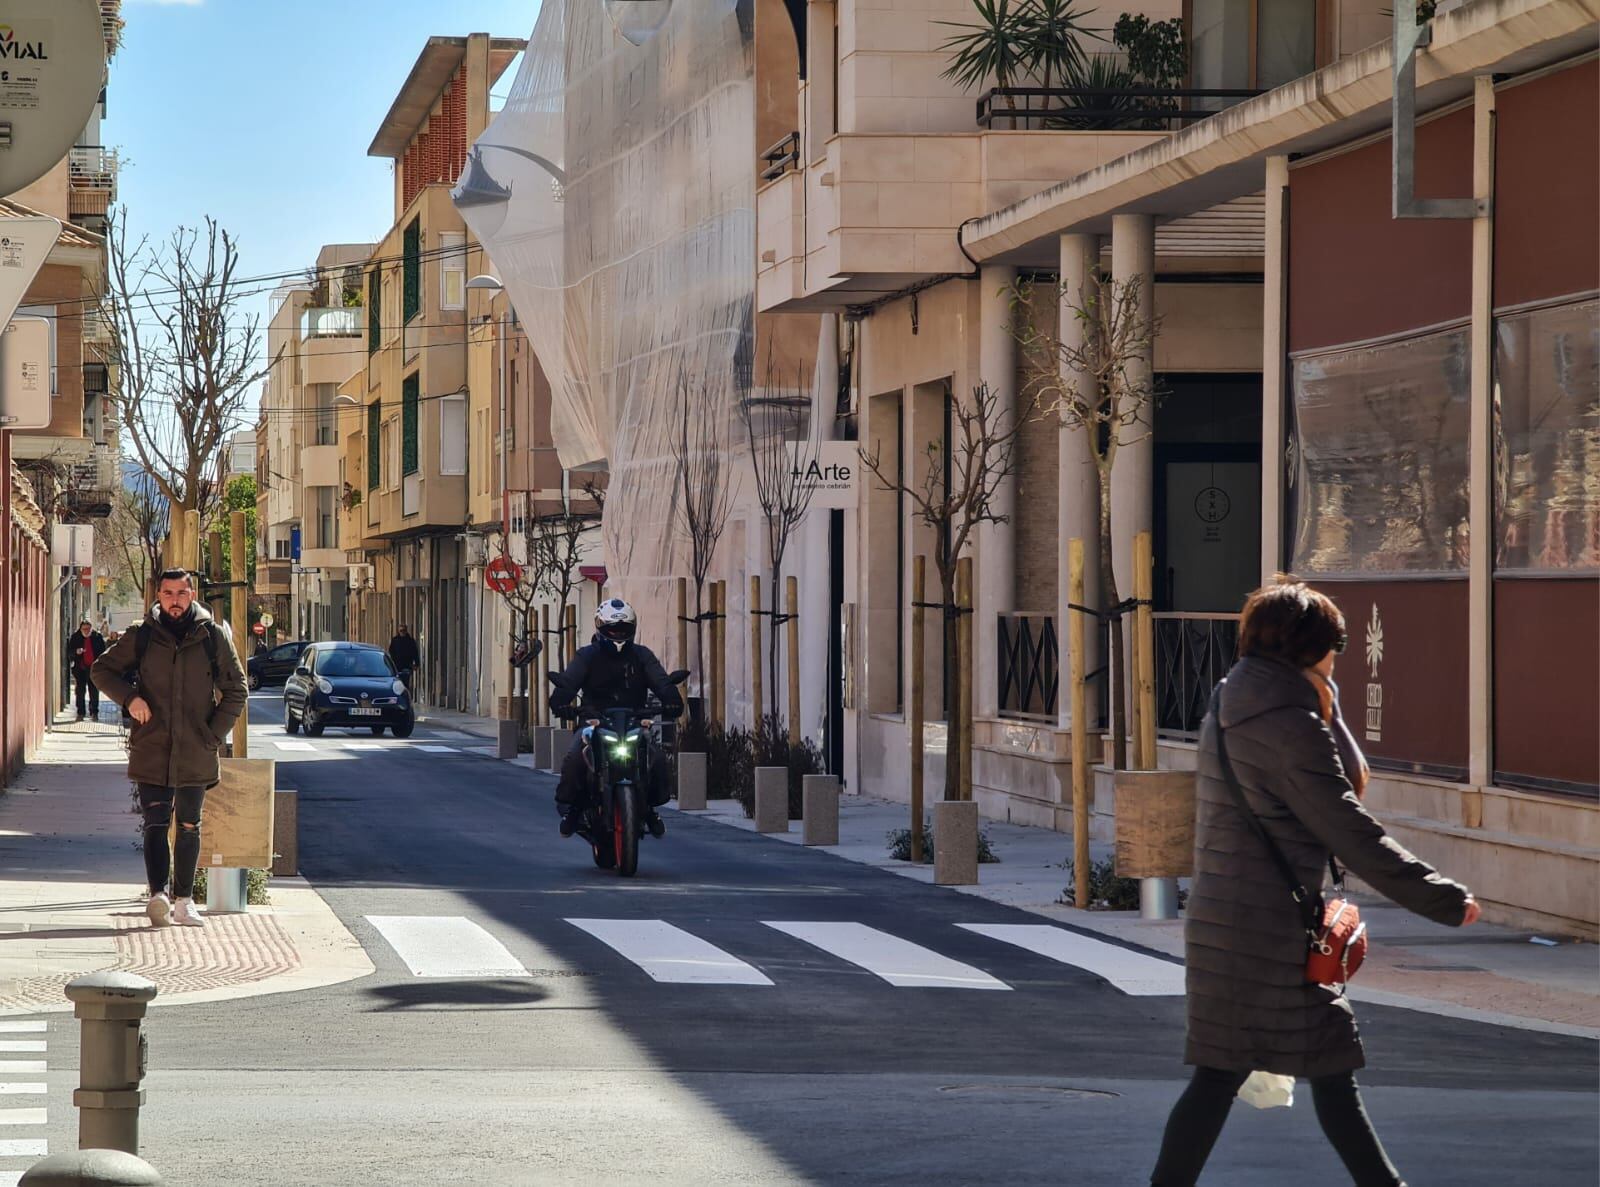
(374, 459)
(413, 270)
(374, 311)
(410, 393)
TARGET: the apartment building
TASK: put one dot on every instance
(405, 438)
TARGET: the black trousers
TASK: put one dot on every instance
(84, 685)
(575, 776)
(156, 805)
(1198, 1117)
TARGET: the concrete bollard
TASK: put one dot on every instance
(772, 799)
(691, 781)
(91, 1168)
(955, 843)
(285, 832)
(111, 1058)
(560, 743)
(820, 815)
(541, 747)
(507, 739)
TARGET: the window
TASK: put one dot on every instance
(1250, 44)
(1547, 439)
(374, 456)
(410, 399)
(452, 270)
(374, 310)
(411, 252)
(1379, 453)
(453, 435)
(390, 459)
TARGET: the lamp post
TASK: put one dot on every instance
(485, 283)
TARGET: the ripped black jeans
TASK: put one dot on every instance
(156, 805)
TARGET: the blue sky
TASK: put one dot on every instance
(259, 112)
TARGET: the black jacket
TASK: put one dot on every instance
(611, 679)
(403, 650)
(75, 650)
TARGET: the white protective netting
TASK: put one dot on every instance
(615, 193)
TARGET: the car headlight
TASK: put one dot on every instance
(324, 686)
(398, 688)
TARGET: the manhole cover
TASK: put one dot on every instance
(1051, 1090)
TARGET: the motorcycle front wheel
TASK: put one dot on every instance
(626, 828)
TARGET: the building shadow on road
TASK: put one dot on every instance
(508, 993)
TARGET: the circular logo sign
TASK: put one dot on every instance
(1212, 504)
(267, 620)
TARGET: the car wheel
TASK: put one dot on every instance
(255, 681)
(290, 724)
(314, 727)
(377, 731)
(403, 730)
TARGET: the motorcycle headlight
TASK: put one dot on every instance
(324, 686)
(398, 688)
(622, 747)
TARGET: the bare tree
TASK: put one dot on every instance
(782, 447)
(1092, 378)
(133, 534)
(186, 353)
(557, 539)
(981, 456)
(704, 498)
(523, 597)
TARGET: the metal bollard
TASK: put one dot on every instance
(111, 1058)
(1158, 898)
(91, 1168)
(227, 891)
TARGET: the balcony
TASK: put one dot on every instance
(319, 465)
(328, 322)
(273, 577)
(91, 179)
(1101, 109)
(326, 559)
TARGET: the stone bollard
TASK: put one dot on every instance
(820, 815)
(955, 843)
(507, 739)
(111, 1058)
(285, 832)
(91, 1168)
(541, 747)
(772, 799)
(691, 781)
(560, 743)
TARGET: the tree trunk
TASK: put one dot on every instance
(772, 642)
(1116, 669)
(950, 695)
(700, 643)
(527, 680)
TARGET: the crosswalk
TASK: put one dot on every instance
(23, 1049)
(292, 746)
(672, 954)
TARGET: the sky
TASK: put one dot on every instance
(259, 113)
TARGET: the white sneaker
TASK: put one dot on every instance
(159, 909)
(184, 914)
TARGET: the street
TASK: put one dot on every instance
(687, 1028)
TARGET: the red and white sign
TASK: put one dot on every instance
(502, 574)
(258, 629)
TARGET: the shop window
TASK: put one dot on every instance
(1378, 480)
(1547, 439)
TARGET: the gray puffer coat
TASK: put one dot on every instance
(1249, 1005)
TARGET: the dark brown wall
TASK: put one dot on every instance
(1546, 676)
(1547, 187)
(1355, 272)
(1423, 672)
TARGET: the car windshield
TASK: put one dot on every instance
(347, 661)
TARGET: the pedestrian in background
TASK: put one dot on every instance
(1249, 1005)
(86, 646)
(178, 676)
(405, 654)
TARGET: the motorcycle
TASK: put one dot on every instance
(619, 750)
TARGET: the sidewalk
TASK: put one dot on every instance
(71, 896)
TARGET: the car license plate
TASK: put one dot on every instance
(366, 712)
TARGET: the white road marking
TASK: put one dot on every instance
(446, 946)
(1132, 972)
(21, 1045)
(13, 1088)
(20, 1027)
(10, 1178)
(22, 1117)
(292, 745)
(670, 954)
(435, 749)
(15, 1147)
(897, 961)
(18, 1067)
(365, 746)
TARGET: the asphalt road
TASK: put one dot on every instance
(557, 1059)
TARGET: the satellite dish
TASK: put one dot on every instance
(52, 70)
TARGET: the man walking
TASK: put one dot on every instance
(83, 649)
(178, 676)
(403, 650)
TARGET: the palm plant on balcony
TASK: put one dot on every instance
(1051, 31)
(995, 46)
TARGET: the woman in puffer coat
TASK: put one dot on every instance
(1250, 1007)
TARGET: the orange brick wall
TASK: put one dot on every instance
(439, 153)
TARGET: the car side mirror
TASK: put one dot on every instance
(681, 676)
(302, 670)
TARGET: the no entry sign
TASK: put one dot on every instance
(502, 574)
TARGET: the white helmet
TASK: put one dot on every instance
(616, 622)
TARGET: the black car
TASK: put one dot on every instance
(346, 685)
(274, 665)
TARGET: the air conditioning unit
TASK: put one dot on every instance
(360, 577)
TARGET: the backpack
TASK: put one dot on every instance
(141, 643)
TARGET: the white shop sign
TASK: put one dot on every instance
(832, 470)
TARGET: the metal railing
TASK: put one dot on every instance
(1193, 652)
(781, 157)
(333, 322)
(1100, 109)
(1028, 657)
(91, 167)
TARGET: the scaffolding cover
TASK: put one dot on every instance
(615, 193)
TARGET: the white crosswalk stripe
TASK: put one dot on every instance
(21, 1027)
(897, 961)
(21, 1045)
(426, 749)
(1132, 972)
(281, 745)
(446, 946)
(670, 954)
(22, 1116)
(19, 1081)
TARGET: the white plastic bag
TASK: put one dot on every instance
(1268, 1090)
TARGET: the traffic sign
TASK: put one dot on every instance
(24, 362)
(502, 574)
(260, 628)
(267, 620)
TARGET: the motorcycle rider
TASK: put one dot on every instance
(611, 672)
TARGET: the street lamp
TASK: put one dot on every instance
(342, 398)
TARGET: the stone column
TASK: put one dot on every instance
(1077, 484)
(997, 367)
(1480, 569)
